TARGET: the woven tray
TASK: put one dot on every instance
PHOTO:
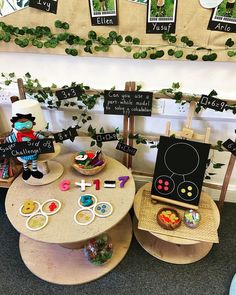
(205, 232)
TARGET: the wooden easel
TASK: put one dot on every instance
(186, 133)
(128, 128)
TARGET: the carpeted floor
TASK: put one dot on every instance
(138, 273)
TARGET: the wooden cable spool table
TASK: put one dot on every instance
(168, 248)
(54, 253)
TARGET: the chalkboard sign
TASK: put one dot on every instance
(70, 133)
(212, 103)
(19, 149)
(126, 148)
(230, 145)
(179, 171)
(128, 103)
(67, 93)
(45, 5)
(103, 137)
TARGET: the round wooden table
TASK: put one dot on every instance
(167, 248)
(54, 253)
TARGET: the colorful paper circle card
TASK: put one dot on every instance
(29, 207)
(103, 209)
(51, 206)
(37, 221)
(84, 216)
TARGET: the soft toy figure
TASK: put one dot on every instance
(23, 131)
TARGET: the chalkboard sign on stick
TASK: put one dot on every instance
(212, 103)
(103, 137)
(126, 148)
(67, 93)
(128, 103)
(45, 5)
(230, 146)
(19, 149)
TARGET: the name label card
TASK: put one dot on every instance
(103, 13)
(230, 145)
(126, 148)
(45, 5)
(103, 137)
(19, 149)
(68, 93)
(70, 133)
(128, 103)
(212, 103)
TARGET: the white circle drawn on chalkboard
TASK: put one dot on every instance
(181, 158)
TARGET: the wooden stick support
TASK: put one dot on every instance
(21, 88)
(227, 177)
(131, 129)
(44, 168)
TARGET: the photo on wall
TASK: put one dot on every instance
(179, 171)
(161, 16)
(223, 18)
(103, 12)
(10, 6)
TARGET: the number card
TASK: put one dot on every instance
(230, 146)
(68, 93)
(223, 17)
(212, 103)
(70, 133)
(19, 149)
(161, 16)
(136, 103)
(45, 5)
(126, 148)
(103, 12)
(103, 137)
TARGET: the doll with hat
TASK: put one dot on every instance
(23, 131)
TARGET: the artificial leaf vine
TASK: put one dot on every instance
(43, 37)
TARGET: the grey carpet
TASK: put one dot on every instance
(138, 273)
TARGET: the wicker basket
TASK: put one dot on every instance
(91, 171)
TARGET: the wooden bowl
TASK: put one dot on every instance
(168, 224)
(89, 172)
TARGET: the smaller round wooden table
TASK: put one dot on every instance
(167, 248)
(54, 253)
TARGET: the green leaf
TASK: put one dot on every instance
(184, 39)
(128, 38)
(171, 52)
(136, 41)
(74, 118)
(175, 85)
(92, 35)
(172, 39)
(231, 53)
(178, 53)
(218, 165)
(99, 144)
(92, 143)
(101, 130)
(229, 42)
(138, 87)
(117, 130)
(159, 53)
(113, 34)
(212, 93)
(128, 49)
(136, 55)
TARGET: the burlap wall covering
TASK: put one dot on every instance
(192, 21)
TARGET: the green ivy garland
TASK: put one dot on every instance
(42, 37)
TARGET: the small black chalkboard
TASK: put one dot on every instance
(70, 133)
(230, 146)
(212, 103)
(45, 5)
(126, 148)
(179, 171)
(20, 149)
(67, 93)
(128, 103)
(103, 137)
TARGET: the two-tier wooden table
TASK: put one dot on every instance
(167, 248)
(54, 253)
